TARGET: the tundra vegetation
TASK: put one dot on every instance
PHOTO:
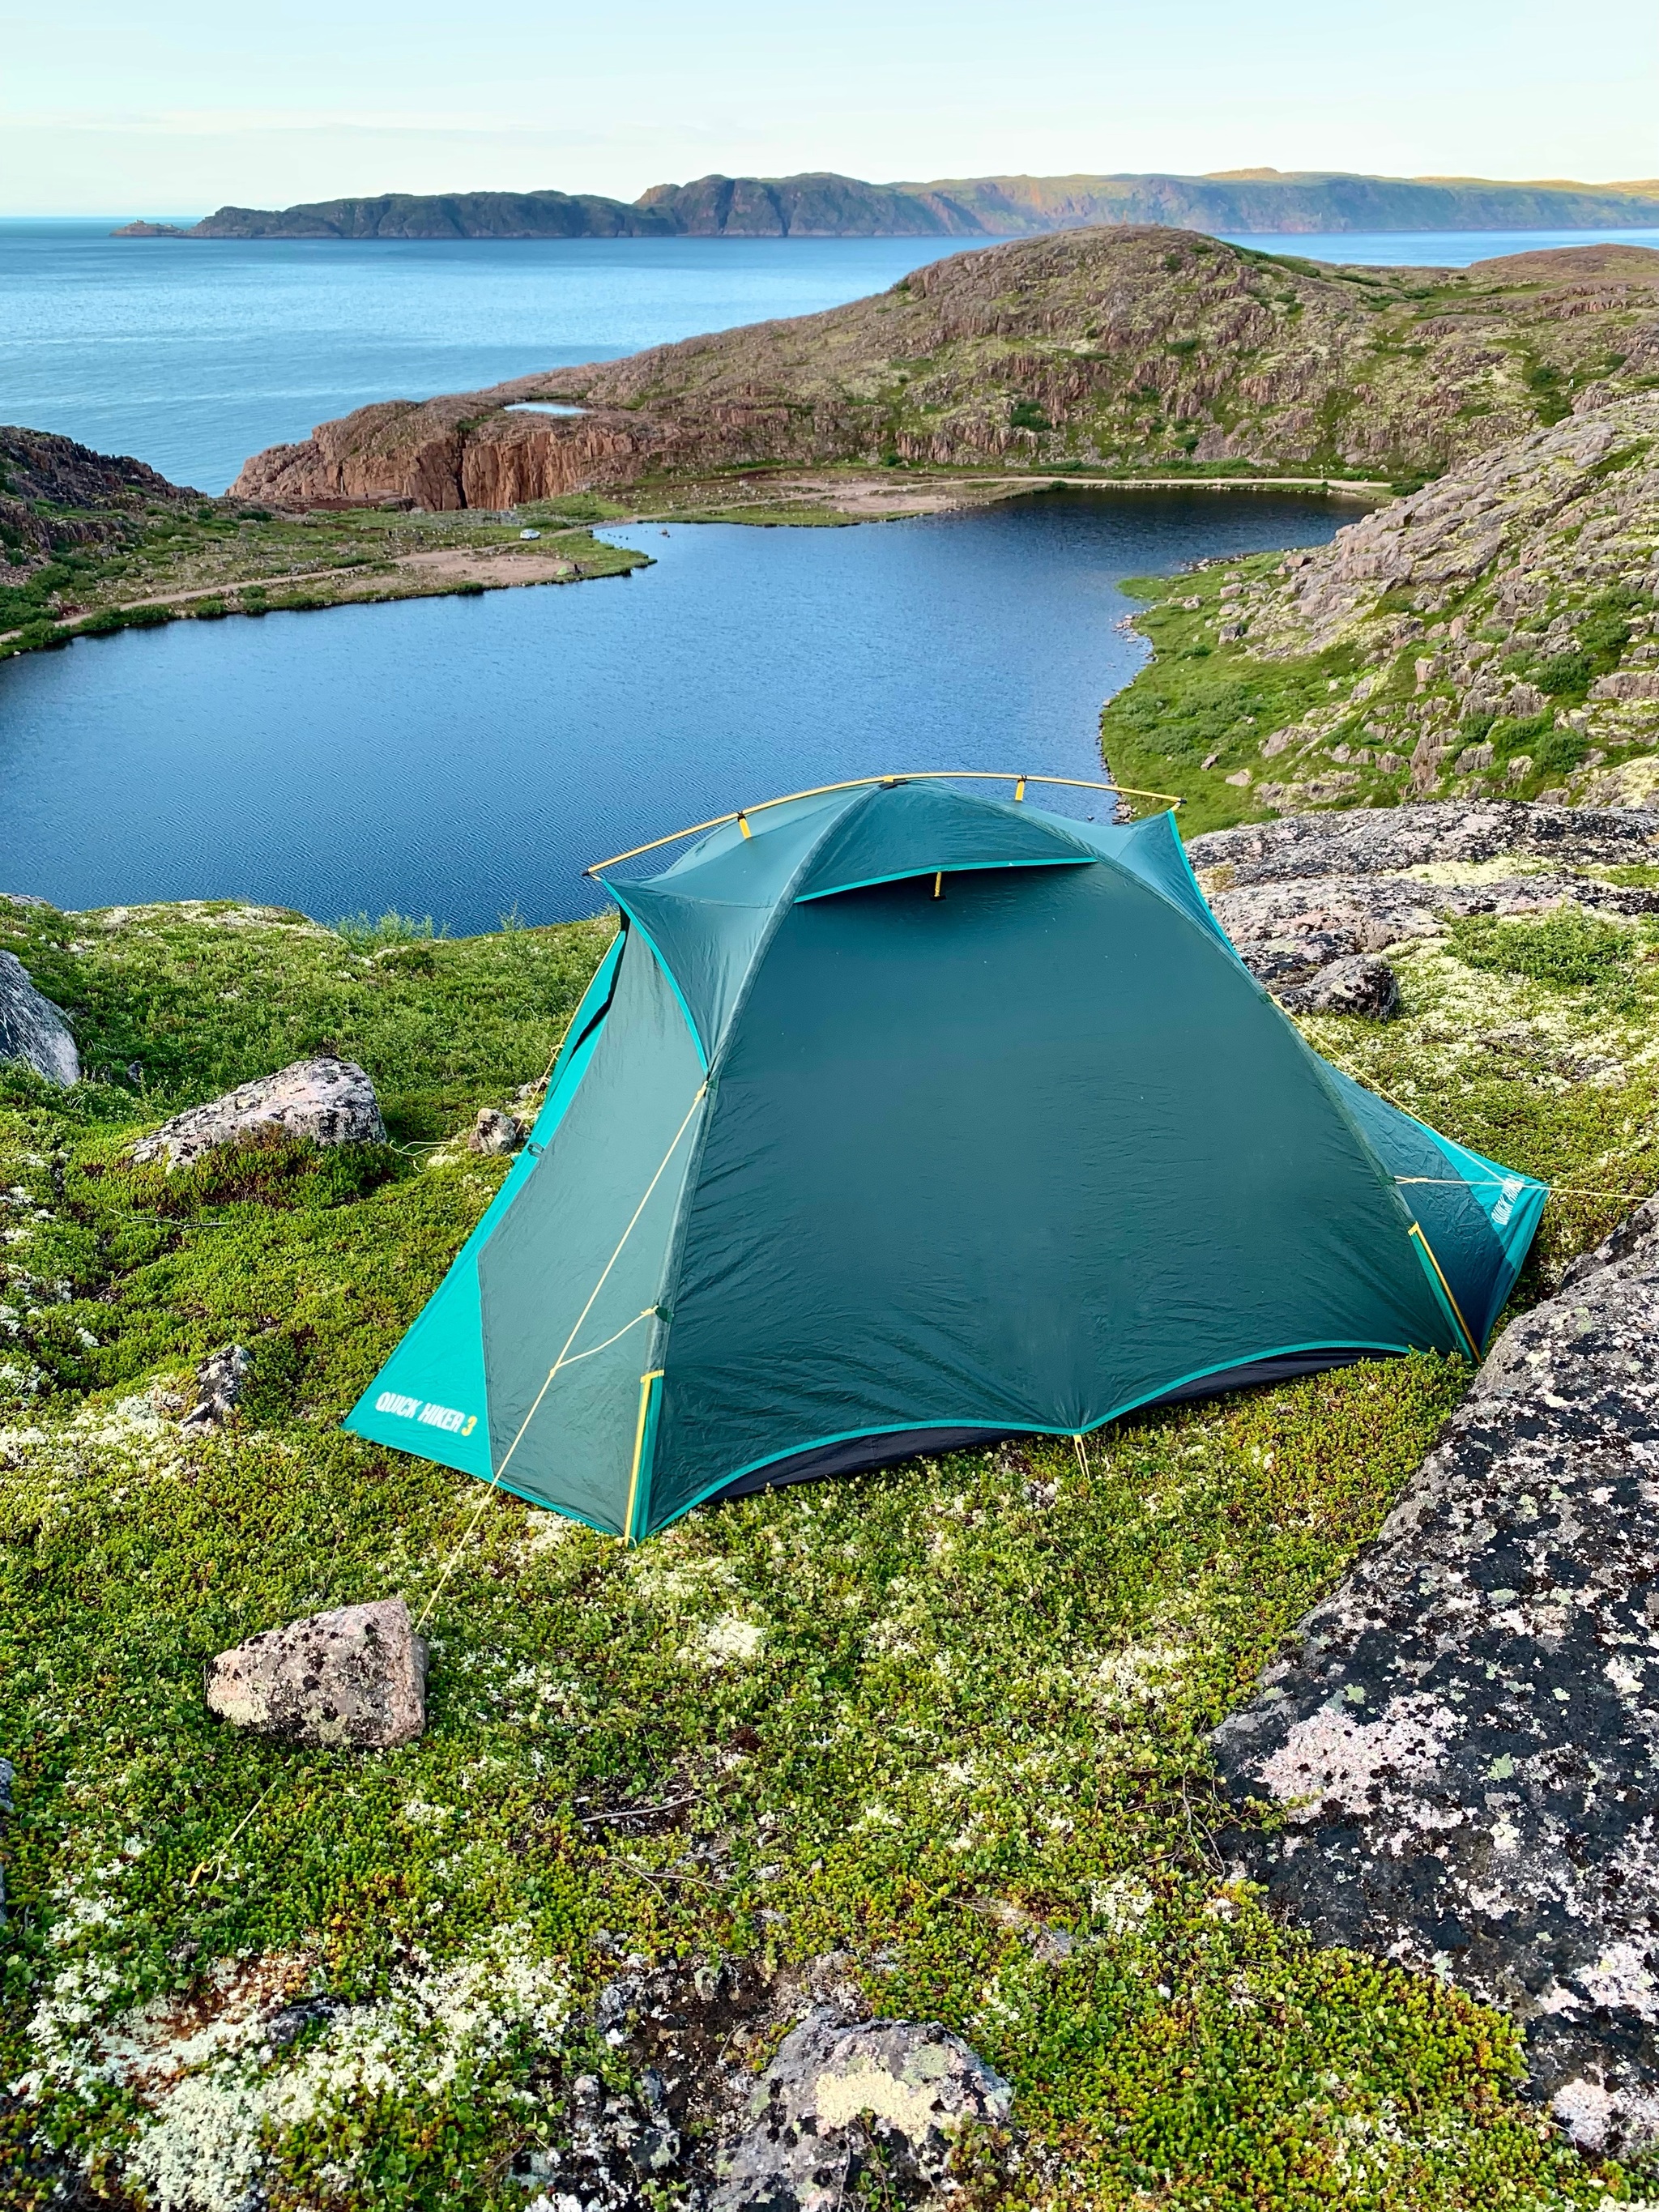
(947, 1724)
(1495, 634)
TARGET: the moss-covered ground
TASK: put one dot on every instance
(223, 558)
(949, 1720)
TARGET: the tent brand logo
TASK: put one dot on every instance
(445, 1418)
(1509, 1190)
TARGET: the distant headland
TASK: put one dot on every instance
(820, 205)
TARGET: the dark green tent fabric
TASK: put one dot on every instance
(899, 1117)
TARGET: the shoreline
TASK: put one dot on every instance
(570, 554)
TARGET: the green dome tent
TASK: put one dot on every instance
(897, 1120)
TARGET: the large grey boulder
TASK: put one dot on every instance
(32, 1028)
(1311, 900)
(354, 1678)
(1386, 840)
(837, 2099)
(1464, 1743)
(331, 1101)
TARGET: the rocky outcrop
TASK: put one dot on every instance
(1502, 623)
(1464, 1747)
(331, 1101)
(354, 1678)
(55, 493)
(887, 2097)
(1136, 346)
(1311, 900)
(32, 1029)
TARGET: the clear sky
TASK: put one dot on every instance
(174, 107)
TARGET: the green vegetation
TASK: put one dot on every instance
(1206, 697)
(1572, 948)
(1202, 700)
(170, 565)
(927, 1718)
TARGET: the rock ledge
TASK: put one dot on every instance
(1465, 1744)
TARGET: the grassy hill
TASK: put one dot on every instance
(1101, 351)
(1495, 634)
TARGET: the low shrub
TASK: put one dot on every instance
(1571, 948)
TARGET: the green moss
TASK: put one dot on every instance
(978, 1699)
(1202, 698)
(1571, 948)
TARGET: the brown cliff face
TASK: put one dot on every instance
(41, 472)
(1126, 348)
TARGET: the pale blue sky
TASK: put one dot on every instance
(176, 107)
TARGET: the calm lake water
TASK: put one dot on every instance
(461, 758)
(193, 356)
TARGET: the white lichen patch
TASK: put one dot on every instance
(224, 2073)
(729, 1640)
(1335, 1756)
(1140, 1673)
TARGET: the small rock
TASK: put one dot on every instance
(1363, 984)
(836, 2099)
(32, 1028)
(495, 1132)
(219, 1381)
(354, 1677)
(331, 1101)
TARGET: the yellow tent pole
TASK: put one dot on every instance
(856, 782)
(1474, 1350)
(645, 1381)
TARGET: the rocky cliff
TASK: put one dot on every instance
(821, 204)
(1497, 631)
(431, 215)
(1129, 348)
(55, 493)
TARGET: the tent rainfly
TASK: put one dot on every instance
(897, 1120)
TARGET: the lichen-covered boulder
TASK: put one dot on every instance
(1464, 1743)
(355, 1678)
(836, 2099)
(1363, 984)
(32, 1028)
(329, 1100)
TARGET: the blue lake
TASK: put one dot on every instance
(462, 759)
(194, 355)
